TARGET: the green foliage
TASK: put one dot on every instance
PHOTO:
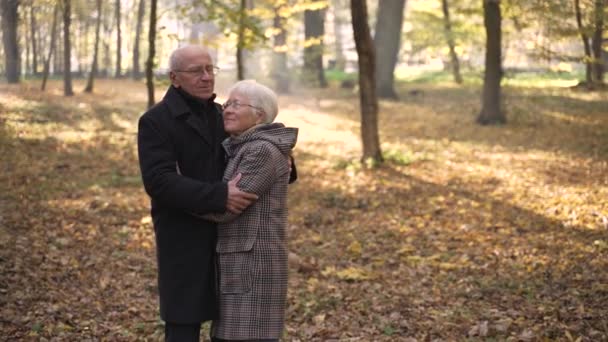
(351, 164)
(227, 15)
(337, 75)
(442, 76)
(427, 27)
(399, 157)
(388, 330)
(37, 327)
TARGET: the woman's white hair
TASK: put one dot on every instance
(259, 96)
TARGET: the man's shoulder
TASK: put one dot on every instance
(159, 111)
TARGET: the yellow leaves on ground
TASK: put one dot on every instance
(353, 273)
(466, 232)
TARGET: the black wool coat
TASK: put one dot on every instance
(182, 163)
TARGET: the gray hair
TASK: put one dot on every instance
(260, 96)
(176, 58)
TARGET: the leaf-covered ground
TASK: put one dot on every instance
(467, 233)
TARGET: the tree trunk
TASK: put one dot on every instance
(367, 85)
(138, 29)
(152, 51)
(58, 57)
(83, 43)
(107, 39)
(241, 42)
(93, 74)
(340, 62)
(280, 74)
(587, 47)
(251, 64)
(43, 36)
(455, 63)
(118, 41)
(67, 49)
(34, 29)
(47, 62)
(596, 42)
(314, 32)
(386, 42)
(490, 111)
(26, 32)
(10, 24)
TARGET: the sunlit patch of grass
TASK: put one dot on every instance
(473, 77)
(570, 118)
(336, 75)
(546, 79)
(399, 157)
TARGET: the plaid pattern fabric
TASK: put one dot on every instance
(251, 247)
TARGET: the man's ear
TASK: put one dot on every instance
(173, 78)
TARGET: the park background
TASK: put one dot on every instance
(454, 190)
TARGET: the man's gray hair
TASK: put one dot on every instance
(260, 96)
(176, 58)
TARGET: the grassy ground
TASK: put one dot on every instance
(467, 233)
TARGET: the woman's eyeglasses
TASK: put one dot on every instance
(236, 105)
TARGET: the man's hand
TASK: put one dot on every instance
(238, 200)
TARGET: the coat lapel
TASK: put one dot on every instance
(178, 107)
(197, 124)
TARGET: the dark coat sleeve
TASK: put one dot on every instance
(158, 163)
(293, 175)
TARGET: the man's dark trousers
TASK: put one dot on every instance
(182, 332)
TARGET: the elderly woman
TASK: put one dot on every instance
(251, 247)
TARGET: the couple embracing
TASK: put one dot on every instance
(217, 176)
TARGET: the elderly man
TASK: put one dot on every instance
(182, 163)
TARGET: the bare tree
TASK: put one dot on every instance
(340, 61)
(10, 22)
(34, 29)
(490, 111)
(89, 87)
(367, 84)
(280, 72)
(107, 39)
(314, 32)
(151, 52)
(58, 56)
(118, 40)
(586, 45)
(597, 41)
(138, 28)
(26, 33)
(387, 41)
(240, 46)
(47, 62)
(449, 35)
(67, 49)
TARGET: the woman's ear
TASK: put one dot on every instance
(260, 116)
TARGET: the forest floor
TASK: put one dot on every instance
(466, 233)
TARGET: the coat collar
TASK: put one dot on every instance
(177, 103)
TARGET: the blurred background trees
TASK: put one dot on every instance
(292, 44)
(305, 41)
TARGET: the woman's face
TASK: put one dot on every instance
(240, 115)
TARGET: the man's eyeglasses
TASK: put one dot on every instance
(236, 105)
(209, 70)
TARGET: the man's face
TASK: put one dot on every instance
(195, 74)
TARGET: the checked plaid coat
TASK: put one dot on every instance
(251, 247)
